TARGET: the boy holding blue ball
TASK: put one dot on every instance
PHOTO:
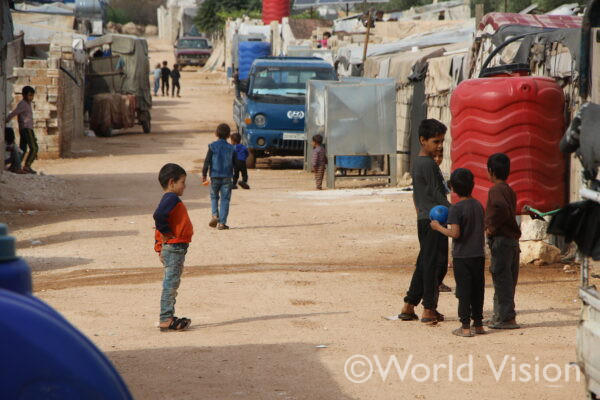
(466, 228)
(429, 191)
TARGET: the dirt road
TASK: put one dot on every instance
(299, 269)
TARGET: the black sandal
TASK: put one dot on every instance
(408, 316)
(177, 324)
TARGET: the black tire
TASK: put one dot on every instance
(147, 126)
(251, 160)
(104, 132)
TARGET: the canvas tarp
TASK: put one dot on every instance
(133, 52)
(42, 28)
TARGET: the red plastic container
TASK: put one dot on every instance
(522, 117)
(275, 10)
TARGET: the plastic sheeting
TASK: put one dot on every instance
(360, 118)
(464, 33)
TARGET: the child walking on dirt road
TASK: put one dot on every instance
(503, 237)
(465, 227)
(429, 191)
(173, 235)
(240, 167)
(319, 160)
(220, 159)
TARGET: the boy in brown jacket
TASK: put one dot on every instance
(503, 238)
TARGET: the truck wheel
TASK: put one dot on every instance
(104, 132)
(251, 160)
(147, 126)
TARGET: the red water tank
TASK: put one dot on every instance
(275, 10)
(522, 117)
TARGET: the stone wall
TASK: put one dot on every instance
(58, 103)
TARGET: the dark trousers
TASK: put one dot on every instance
(240, 166)
(470, 289)
(443, 262)
(28, 140)
(175, 85)
(165, 86)
(319, 174)
(505, 274)
(424, 283)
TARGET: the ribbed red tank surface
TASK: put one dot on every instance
(274, 10)
(521, 117)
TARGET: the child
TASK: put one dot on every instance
(465, 227)
(157, 74)
(24, 115)
(175, 75)
(319, 160)
(220, 158)
(443, 258)
(173, 234)
(12, 155)
(503, 234)
(242, 153)
(429, 191)
(165, 74)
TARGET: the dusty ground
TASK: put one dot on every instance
(298, 269)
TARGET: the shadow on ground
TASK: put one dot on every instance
(254, 371)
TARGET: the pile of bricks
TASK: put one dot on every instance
(58, 102)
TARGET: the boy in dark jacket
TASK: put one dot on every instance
(220, 159)
(165, 75)
(175, 76)
(429, 191)
(503, 234)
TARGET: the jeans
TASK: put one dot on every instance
(424, 284)
(173, 256)
(165, 85)
(470, 289)
(175, 86)
(220, 189)
(505, 274)
(156, 86)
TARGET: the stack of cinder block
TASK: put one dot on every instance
(58, 103)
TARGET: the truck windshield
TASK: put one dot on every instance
(286, 84)
(192, 44)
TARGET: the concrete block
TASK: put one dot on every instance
(30, 72)
(52, 98)
(41, 80)
(52, 72)
(42, 64)
(67, 56)
(53, 123)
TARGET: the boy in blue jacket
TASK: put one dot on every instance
(220, 159)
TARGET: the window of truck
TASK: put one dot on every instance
(286, 85)
(192, 44)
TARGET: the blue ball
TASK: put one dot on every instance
(439, 213)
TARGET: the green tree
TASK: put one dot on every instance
(212, 14)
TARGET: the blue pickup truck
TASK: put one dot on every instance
(270, 106)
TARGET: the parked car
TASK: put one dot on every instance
(192, 50)
(270, 108)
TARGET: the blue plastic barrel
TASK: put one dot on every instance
(248, 52)
(353, 162)
(43, 355)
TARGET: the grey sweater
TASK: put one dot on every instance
(429, 189)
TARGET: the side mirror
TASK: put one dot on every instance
(209, 47)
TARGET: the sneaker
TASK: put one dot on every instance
(512, 324)
(234, 187)
(244, 185)
(213, 222)
(29, 170)
(222, 227)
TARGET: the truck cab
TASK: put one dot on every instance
(270, 105)
(192, 50)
